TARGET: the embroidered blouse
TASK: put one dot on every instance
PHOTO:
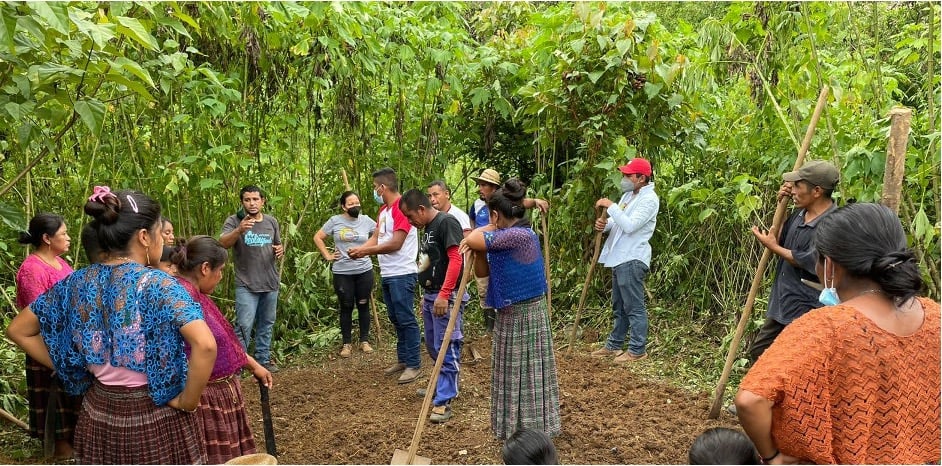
(516, 263)
(230, 357)
(35, 277)
(127, 315)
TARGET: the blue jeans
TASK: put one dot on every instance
(447, 386)
(255, 311)
(629, 310)
(399, 296)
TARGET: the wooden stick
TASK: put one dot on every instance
(585, 286)
(446, 340)
(15, 420)
(763, 263)
(378, 332)
(546, 264)
(346, 182)
(896, 157)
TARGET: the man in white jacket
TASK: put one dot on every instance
(627, 251)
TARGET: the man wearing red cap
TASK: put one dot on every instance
(628, 252)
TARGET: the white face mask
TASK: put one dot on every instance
(627, 185)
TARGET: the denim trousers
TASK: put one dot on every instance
(255, 311)
(628, 307)
(399, 296)
(446, 388)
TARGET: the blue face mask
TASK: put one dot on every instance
(627, 185)
(828, 295)
(377, 197)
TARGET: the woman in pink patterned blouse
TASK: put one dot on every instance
(222, 418)
(43, 268)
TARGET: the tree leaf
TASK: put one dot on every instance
(595, 75)
(134, 68)
(577, 45)
(92, 112)
(12, 217)
(133, 28)
(652, 89)
(99, 33)
(7, 31)
(54, 14)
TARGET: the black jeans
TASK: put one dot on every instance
(764, 338)
(354, 289)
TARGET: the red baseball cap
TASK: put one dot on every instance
(637, 166)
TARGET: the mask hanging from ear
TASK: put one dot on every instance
(828, 295)
(377, 197)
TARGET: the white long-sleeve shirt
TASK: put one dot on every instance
(630, 225)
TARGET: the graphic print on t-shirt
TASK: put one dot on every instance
(257, 240)
(348, 234)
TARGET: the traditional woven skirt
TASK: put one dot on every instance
(524, 389)
(223, 421)
(120, 425)
(38, 386)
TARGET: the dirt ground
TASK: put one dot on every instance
(343, 411)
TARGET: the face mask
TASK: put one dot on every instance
(354, 211)
(828, 295)
(377, 197)
(627, 185)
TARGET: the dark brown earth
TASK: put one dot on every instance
(343, 411)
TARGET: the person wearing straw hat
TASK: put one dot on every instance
(627, 251)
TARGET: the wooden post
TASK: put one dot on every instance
(763, 263)
(896, 157)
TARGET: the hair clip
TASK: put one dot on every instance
(133, 203)
(100, 193)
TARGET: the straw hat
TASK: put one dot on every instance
(257, 458)
(488, 176)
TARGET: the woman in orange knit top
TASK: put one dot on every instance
(858, 381)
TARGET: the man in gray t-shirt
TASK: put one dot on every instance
(255, 239)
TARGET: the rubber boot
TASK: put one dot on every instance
(490, 316)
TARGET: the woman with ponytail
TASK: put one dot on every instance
(858, 381)
(221, 413)
(115, 332)
(524, 388)
(42, 269)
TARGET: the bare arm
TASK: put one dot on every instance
(230, 238)
(202, 357)
(24, 331)
(531, 203)
(259, 371)
(319, 238)
(755, 416)
(371, 248)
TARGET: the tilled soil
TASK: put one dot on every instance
(344, 411)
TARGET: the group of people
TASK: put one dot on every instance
(508, 269)
(846, 367)
(140, 365)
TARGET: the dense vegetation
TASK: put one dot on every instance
(189, 101)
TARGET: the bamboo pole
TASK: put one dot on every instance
(10, 417)
(763, 263)
(896, 157)
(585, 286)
(546, 264)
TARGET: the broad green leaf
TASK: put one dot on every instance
(131, 85)
(92, 112)
(595, 75)
(705, 214)
(13, 109)
(99, 33)
(13, 217)
(622, 45)
(134, 68)
(7, 31)
(652, 90)
(54, 14)
(209, 183)
(210, 74)
(133, 28)
(186, 19)
(577, 45)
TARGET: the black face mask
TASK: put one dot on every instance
(354, 211)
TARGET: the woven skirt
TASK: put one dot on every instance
(39, 381)
(524, 388)
(120, 425)
(223, 421)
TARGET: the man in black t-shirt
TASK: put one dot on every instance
(440, 266)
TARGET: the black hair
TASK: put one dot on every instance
(440, 184)
(164, 221)
(118, 216)
(720, 445)
(189, 254)
(529, 446)
(251, 188)
(414, 198)
(165, 256)
(508, 200)
(41, 224)
(343, 198)
(868, 241)
(387, 177)
(90, 244)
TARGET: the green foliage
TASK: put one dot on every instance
(190, 101)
